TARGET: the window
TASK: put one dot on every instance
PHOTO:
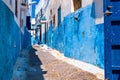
(16, 8)
(59, 15)
(51, 23)
(41, 12)
(54, 20)
(28, 23)
(21, 20)
(115, 0)
(51, 12)
(10, 2)
(24, 1)
(77, 4)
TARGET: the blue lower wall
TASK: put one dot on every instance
(26, 38)
(11, 42)
(79, 37)
(99, 45)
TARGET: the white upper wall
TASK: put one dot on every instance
(68, 7)
(21, 11)
(11, 6)
(99, 11)
(39, 6)
(99, 15)
(86, 2)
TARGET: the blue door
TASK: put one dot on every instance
(112, 39)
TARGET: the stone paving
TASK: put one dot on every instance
(37, 63)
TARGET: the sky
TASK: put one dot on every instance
(33, 8)
(36, 0)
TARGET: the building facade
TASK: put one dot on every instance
(73, 27)
(33, 27)
(13, 34)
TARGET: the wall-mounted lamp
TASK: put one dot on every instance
(39, 24)
(76, 18)
(23, 4)
(33, 2)
(30, 3)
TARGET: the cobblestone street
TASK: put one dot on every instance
(59, 40)
(39, 64)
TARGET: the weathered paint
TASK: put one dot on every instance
(11, 39)
(49, 36)
(26, 38)
(99, 45)
(79, 37)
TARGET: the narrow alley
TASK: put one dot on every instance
(37, 63)
(59, 40)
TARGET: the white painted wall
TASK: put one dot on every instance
(99, 15)
(67, 7)
(99, 11)
(39, 6)
(20, 8)
(11, 7)
(86, 2)
(43, 28)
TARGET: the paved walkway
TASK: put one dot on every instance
(38, 63)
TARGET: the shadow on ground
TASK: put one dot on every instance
(28, 66)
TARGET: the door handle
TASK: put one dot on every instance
(107, 79)
(107, 12)
(109, 7)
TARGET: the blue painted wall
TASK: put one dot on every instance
(11, 39)
(78, 37)
(26, 38)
